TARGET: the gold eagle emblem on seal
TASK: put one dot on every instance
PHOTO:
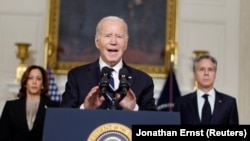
(111, 132)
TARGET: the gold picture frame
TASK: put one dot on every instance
(71, 28)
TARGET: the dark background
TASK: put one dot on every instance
(146, 23)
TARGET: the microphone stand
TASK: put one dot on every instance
(111, 102)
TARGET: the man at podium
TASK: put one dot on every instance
(90, 87)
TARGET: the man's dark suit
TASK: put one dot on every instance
(13, 123)
(82, 79)
(225, 109)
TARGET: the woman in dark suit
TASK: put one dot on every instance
(23, 119)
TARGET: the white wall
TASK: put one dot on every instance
(20, 21)
(212, 25)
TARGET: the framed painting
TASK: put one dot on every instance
(151, 26)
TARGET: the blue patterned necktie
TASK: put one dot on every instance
(111, 81)
(206, 111)
(110, 100)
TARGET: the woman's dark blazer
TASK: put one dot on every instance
(13, 122)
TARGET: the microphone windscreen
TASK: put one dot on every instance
(106, 71)
(123, 72)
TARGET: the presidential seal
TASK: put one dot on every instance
(111, 132)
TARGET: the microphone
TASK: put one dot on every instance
(104, 83)
(124, 85)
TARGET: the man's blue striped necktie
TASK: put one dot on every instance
(110, 93)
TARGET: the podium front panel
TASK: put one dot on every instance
(68, 124)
